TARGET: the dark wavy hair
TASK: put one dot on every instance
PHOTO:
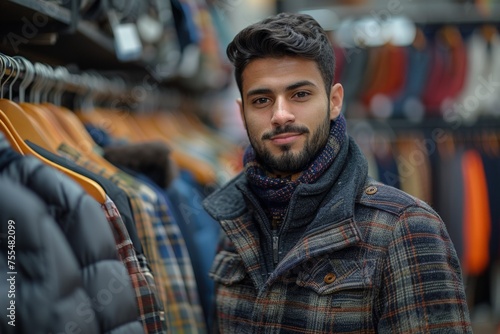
(285, 34)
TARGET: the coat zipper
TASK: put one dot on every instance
(276, 241)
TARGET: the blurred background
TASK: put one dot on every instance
(422, 97)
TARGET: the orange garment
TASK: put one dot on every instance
(389, 68)
(477, 219)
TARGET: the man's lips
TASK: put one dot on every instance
(285, 138)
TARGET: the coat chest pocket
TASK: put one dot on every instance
(339, 293)
(331, 276)
(227, 268)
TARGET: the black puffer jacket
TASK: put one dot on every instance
(46, 289)
(80, 217)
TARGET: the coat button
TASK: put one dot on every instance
(330, 278)
(371, 190)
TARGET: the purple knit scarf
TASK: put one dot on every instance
(275, 193)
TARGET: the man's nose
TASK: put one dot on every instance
(282, 113)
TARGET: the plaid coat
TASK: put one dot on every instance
(353, 256)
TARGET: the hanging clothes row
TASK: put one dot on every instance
(447, 71)
(63, 269)
(148, 172)
(87, 230)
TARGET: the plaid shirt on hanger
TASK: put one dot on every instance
(142, 279)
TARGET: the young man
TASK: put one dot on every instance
(312, 244)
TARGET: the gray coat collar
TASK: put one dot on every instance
(332, 196)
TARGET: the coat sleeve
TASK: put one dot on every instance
(422, 289)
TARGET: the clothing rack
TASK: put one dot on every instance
(19, 68)
(427, 125)
(82, 89)
(187, 160)
(74, 100)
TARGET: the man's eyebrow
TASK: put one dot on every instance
(300, 84)
(261, 91)
(258, 91)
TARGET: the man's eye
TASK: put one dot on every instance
(261, 100)
(302, 94)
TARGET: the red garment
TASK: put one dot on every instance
(477, 219)
(340, 61)
(389, 70)
(449, 69)
(435, 80)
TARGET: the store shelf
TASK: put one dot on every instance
(424, 12)
(28, 16)
(42, 31)
(428, 124)
(46, 8)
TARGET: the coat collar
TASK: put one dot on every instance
(333, 195)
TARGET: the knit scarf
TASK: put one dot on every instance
(274, 192)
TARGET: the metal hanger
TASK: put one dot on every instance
(28, 76)
(6, 67)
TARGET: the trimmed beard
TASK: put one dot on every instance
(288, 162)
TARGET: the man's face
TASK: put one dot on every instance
(286, 111)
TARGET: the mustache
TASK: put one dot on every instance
(285, 129)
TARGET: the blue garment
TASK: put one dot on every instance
(353, 74)
(416, 78)
(173, 251)
(101, 136)
(491, 168)
(388, 169)
(185, 27)
(201, 234)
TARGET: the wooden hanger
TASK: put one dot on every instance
(112, 121)
(490, 143)
(49, 115)
(228, 154)
(203, 171)
(447, 146)
(488, 31)
(46, 122)
(16, 114)
(51, 128)
(25, 126)
(123, 127)
(127, 121)
(10, 137)
(72, 126)
(146, 124)
(132, 127)
(450, 35)
(90, 186)
(82, 141)
(31, 132)
(420, 42)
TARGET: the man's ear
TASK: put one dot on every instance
(240, 105)
(336, 100)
